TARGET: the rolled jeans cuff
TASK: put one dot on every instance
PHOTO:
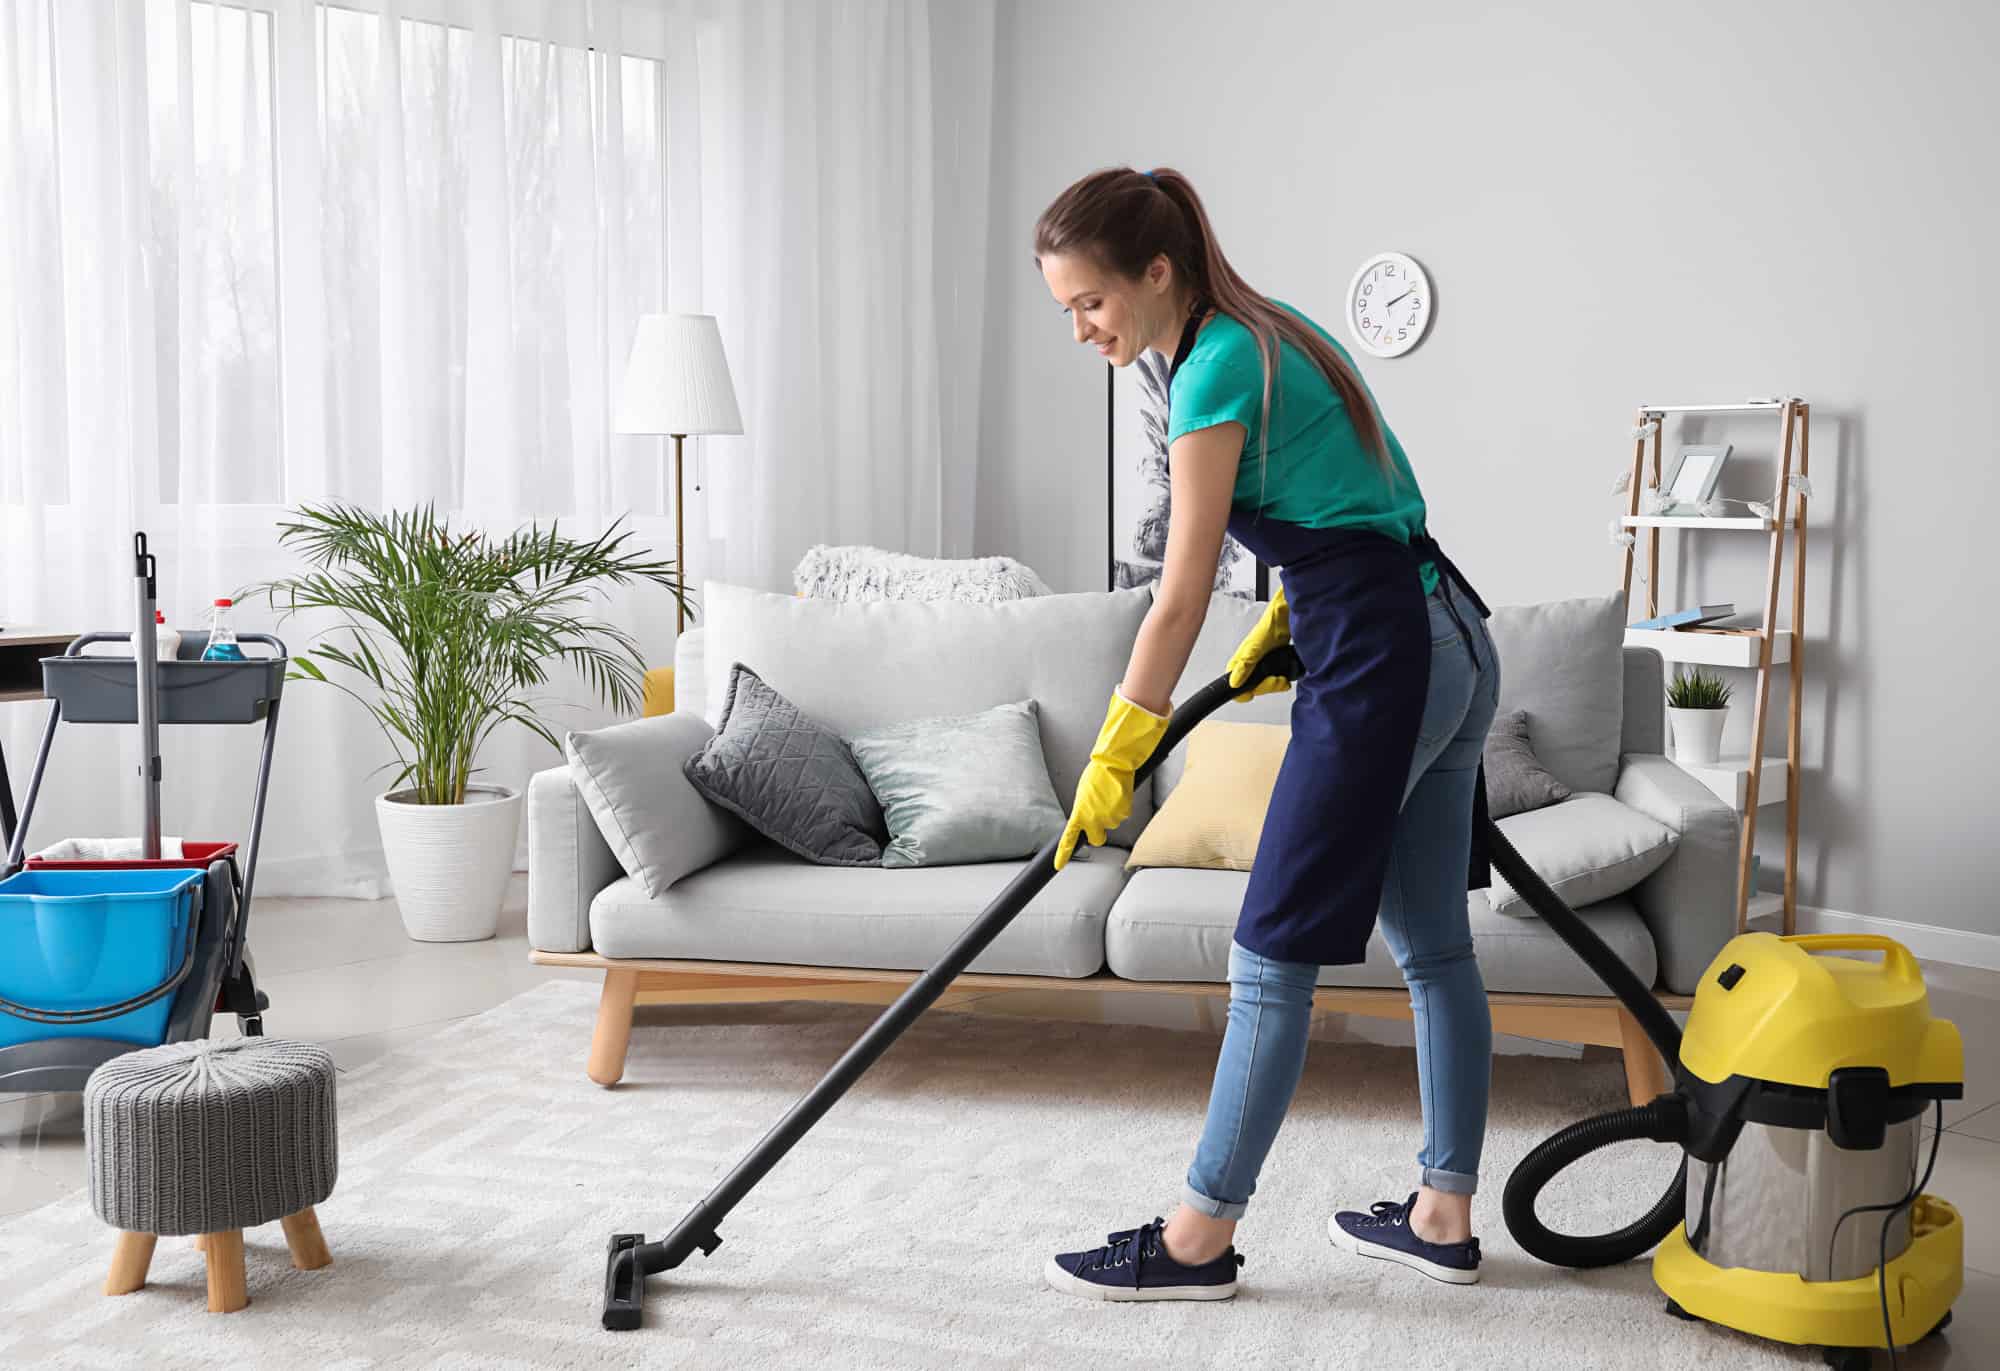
(1450, 1182)
(1215, 1209)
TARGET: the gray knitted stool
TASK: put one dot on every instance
(211, 1137)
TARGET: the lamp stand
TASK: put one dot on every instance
(680, 550)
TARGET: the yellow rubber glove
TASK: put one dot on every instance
(1274, 630)
(1104, 791)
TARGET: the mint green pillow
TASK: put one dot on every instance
(962, 787)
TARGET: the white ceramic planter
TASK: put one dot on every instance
(1697, 734)
(450, 863)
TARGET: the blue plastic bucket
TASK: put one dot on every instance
(79, 940)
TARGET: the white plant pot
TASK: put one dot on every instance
(1697, 734)
(450, 863)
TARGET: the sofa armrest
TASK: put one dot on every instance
(568, 863)
(1689, 904)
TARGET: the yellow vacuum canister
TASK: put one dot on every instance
(1801, 1085)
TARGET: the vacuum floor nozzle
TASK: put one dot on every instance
(624, 1283)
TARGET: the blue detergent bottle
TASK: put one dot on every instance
(221, 636)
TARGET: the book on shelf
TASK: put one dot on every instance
(1688, 618)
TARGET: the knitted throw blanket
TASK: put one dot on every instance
(870, 573)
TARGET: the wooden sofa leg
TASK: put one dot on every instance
(1646, 1076)
(614, 1027)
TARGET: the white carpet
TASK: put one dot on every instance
(481, 1175)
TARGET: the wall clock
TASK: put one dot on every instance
(1389, 304)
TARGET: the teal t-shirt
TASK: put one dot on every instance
(1316, 472)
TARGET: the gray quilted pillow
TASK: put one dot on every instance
(1516, 781)
(791, 779)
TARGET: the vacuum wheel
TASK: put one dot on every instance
(1849, 1358)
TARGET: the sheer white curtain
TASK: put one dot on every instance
(256, 253)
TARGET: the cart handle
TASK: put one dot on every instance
(77, 645)
(98, 1013)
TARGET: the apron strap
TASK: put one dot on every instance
(1427, 549)
(1196, 312)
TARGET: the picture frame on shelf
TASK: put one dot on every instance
(1695, 472)
(1140, 490)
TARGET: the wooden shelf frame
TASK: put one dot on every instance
(1788, 516)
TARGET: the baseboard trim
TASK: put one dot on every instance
(1957, 946)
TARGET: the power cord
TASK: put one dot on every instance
(1888, 1218)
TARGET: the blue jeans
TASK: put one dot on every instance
(1423, 920)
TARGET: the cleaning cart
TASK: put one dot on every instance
(99, 957)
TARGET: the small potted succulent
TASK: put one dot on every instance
(1698, 703)
(447, 635)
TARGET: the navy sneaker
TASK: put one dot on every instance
(1385, 1233)
(1134, 1265)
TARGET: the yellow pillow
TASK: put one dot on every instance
(1215, 815)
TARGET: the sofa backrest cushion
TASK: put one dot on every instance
(1564, 663)
(857, 665)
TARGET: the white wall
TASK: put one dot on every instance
(1618, 204)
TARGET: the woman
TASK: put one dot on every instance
(1272, 435)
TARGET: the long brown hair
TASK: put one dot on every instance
(1122, 219)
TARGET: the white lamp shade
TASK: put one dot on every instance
(677, 379)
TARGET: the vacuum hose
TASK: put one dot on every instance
(1663, 1120)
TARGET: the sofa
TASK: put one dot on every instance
(735, 917)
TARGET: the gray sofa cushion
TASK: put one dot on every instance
(1564, 663)
(1175, 925)
(657, 825)
(1587, 848)
(961, 787)
(790, 777)
(1515, 781)
(765, 905)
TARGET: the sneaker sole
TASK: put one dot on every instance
(1450, 1275)
(1090, 1290)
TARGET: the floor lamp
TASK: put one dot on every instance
(677, 383)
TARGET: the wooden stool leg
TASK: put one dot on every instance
(130, 1263)
(308, 1245)
(226, 1294)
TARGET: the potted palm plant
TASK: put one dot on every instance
(1698, 704)
(448, 635)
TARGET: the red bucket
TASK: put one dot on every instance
(194, 856)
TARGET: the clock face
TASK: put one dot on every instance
(1389, 304)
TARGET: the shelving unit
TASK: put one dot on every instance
(1740, 780)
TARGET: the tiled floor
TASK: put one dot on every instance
(342, 972)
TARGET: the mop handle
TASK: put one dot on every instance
(146, 676)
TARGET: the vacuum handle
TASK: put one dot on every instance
(1896, 959)
(1282, 660)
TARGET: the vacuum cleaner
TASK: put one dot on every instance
(1800, 1086)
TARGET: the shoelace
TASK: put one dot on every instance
(1125, 1247)
(1389, 1214)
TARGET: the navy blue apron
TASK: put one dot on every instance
(1362, 630)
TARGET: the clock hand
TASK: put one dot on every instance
(1400, 298)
